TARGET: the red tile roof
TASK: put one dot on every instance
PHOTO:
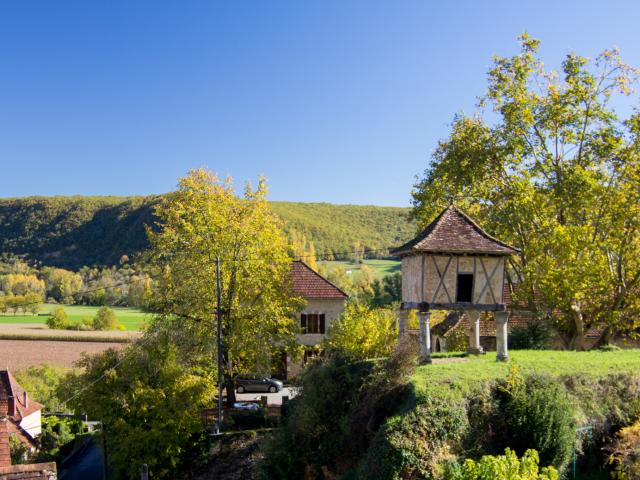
(310, 284)
(10, 388)
(454, 232)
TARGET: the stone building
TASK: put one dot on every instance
(22, 413)
(454, 265)
(324, 304)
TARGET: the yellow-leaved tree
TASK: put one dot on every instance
(364, 332)
(205, 219)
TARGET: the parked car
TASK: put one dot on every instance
(257, 383)
(250, 406)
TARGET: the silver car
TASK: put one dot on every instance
(257, 383)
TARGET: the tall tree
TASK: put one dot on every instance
(205, 219)
(558, 175)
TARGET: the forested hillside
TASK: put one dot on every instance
(71, 232)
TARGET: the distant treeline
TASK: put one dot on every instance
(72, 232)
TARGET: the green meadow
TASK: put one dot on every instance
(462, 373)
(131, 318)
(381, 268)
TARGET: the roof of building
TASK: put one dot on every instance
(454, 232)
(9, 387)
(310, 284)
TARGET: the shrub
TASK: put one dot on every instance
(534, 413)
(105, 319)
(55, 434)
(625, 453)
(416, 445)
(313, 430)
(502, 467)
(458, 340)
(58, 319)
(248, 419)
(19, 451)
(533, 336)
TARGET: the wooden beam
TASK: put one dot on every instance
(426, 306)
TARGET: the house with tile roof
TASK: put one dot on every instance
(325, 302)
(22, 413)
(34, 471)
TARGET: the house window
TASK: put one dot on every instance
(312, 323)
(464, 292)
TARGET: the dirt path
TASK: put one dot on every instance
(19, 354)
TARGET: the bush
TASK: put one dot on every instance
(416, 445)
(535, 413)
(313, 434)
(625, 453)
(533, 336)
(56, 433)
(19, 451)
(58, 319)
(502, 467)
(106, 319)
(248, 419)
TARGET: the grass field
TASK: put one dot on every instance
(463, 372)
(131, 318)
(380, 267)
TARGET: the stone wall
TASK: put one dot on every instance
(36, 471)
(332, 309)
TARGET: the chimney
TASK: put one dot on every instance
(26, 400)
(5, 453)
(11, 407)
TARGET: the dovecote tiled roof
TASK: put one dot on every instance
(454, 232)
(309, 284)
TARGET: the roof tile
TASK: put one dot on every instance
(310, 284)
(454, 232)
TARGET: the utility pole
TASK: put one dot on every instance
(218, 427)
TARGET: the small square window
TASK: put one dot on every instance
(464, 291)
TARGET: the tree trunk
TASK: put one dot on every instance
(231, 390)
(577, 342)
(605, 337)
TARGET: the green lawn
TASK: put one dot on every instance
(380, 267)
(131, 318)
(473, 369)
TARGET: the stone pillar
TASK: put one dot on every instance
(403, 320)
(501, 336)
(425, 337)
(474, 332)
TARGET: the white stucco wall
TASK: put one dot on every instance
(32, 424)
(332, 309)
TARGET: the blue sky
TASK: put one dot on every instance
(336, 101)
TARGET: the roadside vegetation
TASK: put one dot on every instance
(385, 420)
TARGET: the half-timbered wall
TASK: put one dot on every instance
(433, 278)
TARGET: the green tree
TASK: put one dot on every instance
(363, 332)
(106, 319)
(557, 174)
(62, 284)
(58, 319)
(148, 402)
(42, 383)
(204, 219)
